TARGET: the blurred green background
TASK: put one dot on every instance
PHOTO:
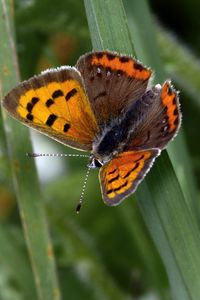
(104, 253)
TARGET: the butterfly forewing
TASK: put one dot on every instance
(55, 103)
(112, 82)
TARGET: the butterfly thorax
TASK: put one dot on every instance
(109, 143)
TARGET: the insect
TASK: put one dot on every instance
(104, 106)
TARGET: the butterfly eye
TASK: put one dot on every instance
(97, 163)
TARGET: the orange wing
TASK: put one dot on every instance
(55, 103)
(112, 82)
(120, 177)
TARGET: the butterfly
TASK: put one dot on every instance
(106, 106)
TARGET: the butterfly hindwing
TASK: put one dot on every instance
(120, 176)
(55, 103)
(112, 82)
(157, 120)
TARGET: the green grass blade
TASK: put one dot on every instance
(98, 24)
(12, 259)
(25, 178)
(144, 32)
(182, 66)
(84, 258)
(169, 219)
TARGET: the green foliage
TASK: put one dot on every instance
(104, 253)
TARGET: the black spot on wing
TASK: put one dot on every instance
(165, 109)
(102, 94)
(34, 100)
(141, 157)
(124, 59)
(112, 172)
(49, 102)
(51, 119)
(174, 100)
(176, 121)
(118, 188)
(99, 54)
(110, 56)
(71, 94)
(175, 112)
(57, 93)
(138, 66)
(29, 117)
(113, 179)
(31, 104)
(132, 170)
(66, 127)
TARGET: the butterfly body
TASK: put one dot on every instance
(116, 136)
(104, 105)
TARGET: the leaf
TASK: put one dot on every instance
(168, 216)
(25, 180)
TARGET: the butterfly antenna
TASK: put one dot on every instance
(78, 207)
(55, 155)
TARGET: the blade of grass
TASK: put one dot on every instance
(171, 223)
(153, 266)
(85, 261)
(14, 260)
(107, 234)
(183, 66)
(24, 173)
(143, 32)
